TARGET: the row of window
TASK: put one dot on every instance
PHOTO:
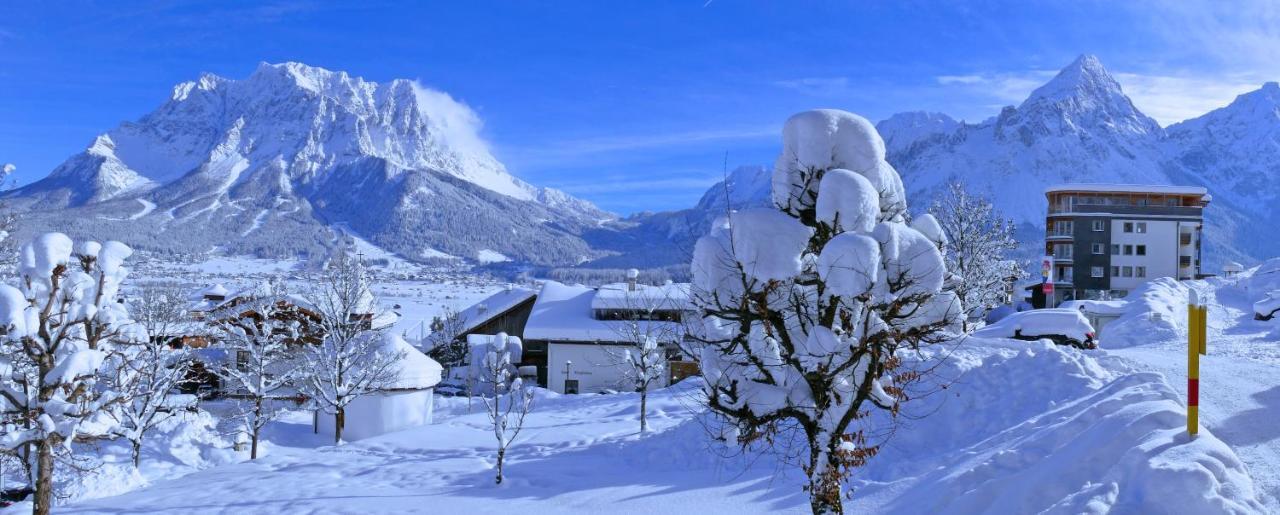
(1120, 250)
(1120, 271)
(1129, 227)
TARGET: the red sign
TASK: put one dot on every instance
(1048, 288)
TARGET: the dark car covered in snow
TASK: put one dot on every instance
(1062, 326)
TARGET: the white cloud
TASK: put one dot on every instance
(1171, 99)
(1166, 98)
(1007, 88)
(455, 122)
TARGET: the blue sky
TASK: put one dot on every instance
(632, 105)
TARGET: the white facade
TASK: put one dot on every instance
(381, 413)
(592, 366)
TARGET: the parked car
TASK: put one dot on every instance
(1266, 308)
(1062, 326)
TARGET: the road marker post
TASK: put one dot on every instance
(1197, 319)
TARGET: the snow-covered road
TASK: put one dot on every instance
(1239, 382)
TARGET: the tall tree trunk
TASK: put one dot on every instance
(339, 419)
(137, 452)
(501, 453)
(44, 478)
(644, 398)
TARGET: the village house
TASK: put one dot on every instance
(574, 337)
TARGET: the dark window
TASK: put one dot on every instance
(1127, 271)
(1128, 227)
(1128, 250)
(1142, 227)
(1099, 248)
(1115, 271)
(1142, 250)
(1140, 271)
(1099, 225)
(1115, 249)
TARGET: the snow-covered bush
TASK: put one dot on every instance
(63, 331)
(806, 306)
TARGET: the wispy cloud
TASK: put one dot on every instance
(575, 150)
(1171, 99)
(620, 185)
(1005, 88)
(817, 86)
(1167, 98)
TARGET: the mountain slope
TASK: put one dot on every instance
(296, 149)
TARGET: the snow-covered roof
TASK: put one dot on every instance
(671, 296)
(563, 313)
(1130, 188)
(494, 305)
(414, 371)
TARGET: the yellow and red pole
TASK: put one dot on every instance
(1197, 319)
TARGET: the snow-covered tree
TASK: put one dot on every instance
(62, 328)
(807, 307)
(261, 366)
(511, 400)
(637, 317)
(351, 359)
(151, 370)
(444, 344)
(978, 242)
(643, 367)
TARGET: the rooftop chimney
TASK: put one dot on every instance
(632, 274)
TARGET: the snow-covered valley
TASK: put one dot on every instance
(1000, 426)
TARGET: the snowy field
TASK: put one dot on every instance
(1022, 427)
(1004, 426)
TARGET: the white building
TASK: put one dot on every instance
(406, 403)
(1107, 239)
(575, 335)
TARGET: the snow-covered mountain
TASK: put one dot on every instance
(272, 163)
(1081, 127)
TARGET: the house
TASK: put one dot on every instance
(406, 402)
(1104, 240)
(575, 335)
(506, 311)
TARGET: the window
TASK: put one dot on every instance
(1062, 251)
(1172, 202)
(1128, 250)
(1127, 271)
(1099, 248)
(1184, 261)
(1142, 228)
(1141, 250)
(1128, 227)
(1140, 271)
(1115, 271)
(1115, 249)
(1097, 271)
(1099, 225)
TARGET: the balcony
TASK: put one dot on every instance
(1059, 236)
(1126, 209)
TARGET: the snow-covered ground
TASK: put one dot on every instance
(1239, 377)
(1001, 426)
(1021, 427)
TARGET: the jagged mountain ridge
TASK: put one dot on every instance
(298, 150)
(1081, 127)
